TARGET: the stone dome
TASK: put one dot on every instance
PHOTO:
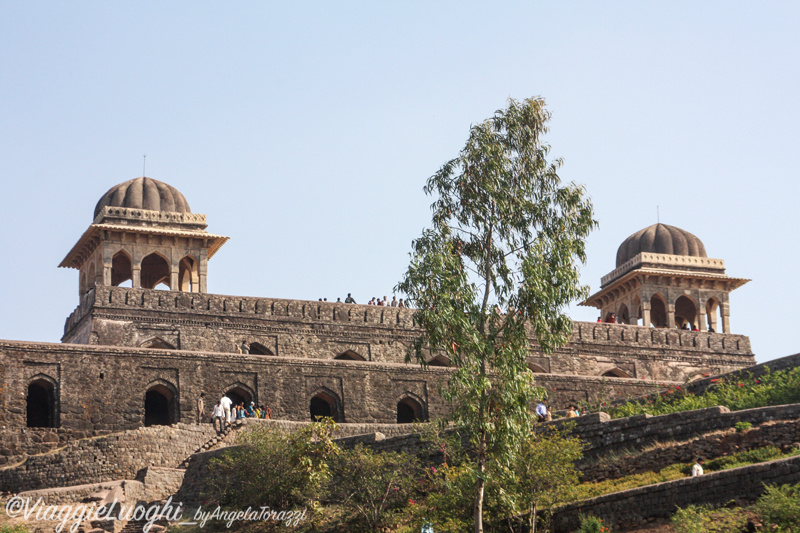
(660, 239)
(144, 193)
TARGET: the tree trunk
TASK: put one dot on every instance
(478, 509)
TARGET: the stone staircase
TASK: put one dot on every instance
(214, 441)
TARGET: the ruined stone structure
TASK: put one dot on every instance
(146, 338)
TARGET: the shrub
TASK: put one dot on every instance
(372, 486)
(780, 506)
(704, 519)
(592, 524)
(270, 468)
(741, 427)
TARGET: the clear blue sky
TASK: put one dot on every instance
(306, 130)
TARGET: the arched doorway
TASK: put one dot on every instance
(439, 360)
(324, 404)
(658, 312)
(623, 315)
(155, 271)
(259, 349)
(160, 406)
(685, 312)
(187, 274)
(240, 395)
(409, 411)
(713, 314)
(121, 269)
(40, 404)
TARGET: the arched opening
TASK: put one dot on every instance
(157, 342)
(685, 313)
(155, 272)
(322, 405)
(259, 349)
(536, 369)
(349, 355)
(83, 288)
(187, 274)
(91, 277)
(616, 373)
(439, 360)
(623, 315)
(658, 311)
(240, 396)
(121, 268)
(160, 406)
(40, 404)
(637, 307)
(712, 314)
(409, 411)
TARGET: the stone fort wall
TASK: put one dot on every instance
(118, 316)
(102, 388)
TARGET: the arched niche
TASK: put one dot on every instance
(325, 403)
(157, 342)
(155, 272)
(40, 403)
(259, 349)
(616, 373)
(439, 360)
(410, 410)
(536, 369)
(349, 355)
(160, 405)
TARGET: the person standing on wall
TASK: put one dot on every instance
(201, 408)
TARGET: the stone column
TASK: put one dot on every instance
(136, 277)
(671, 316)
(646, 314)
(174, 284)
(701, 317)
(726, 324)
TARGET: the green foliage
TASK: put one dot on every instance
(704, 519)
(283, 471)
(780, 506)
(542, 475)
(371, 487)
(16, 528)
(741, 427)
(747, 457)
(592, 524)
(500, 262)
(747, 392)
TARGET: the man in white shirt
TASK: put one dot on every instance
(697, 469)
(541, 410)
(226, 403)
(216, 417)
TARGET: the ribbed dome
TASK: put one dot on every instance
(660, 239)
(144, 193)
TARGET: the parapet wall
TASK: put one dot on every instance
(634, 507)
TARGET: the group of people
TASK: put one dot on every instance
(543, 413)
(225, 411)
(374, 301)
(394, 303)
(612, 319)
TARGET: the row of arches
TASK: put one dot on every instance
(161, 404)
(686, 313)
(152, 272)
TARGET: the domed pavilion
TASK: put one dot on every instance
(144, 235)
(663, 278)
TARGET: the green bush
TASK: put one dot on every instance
(17, 528)
(780, 506)
(271, 468)
(747, 457)
(704, 519)
(747, 392)
(741, 427)
(592, 524)
(371, 487)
